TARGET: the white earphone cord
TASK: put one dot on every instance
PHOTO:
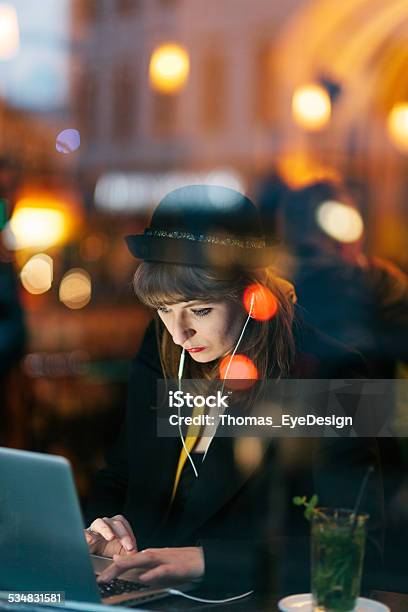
(200, 599)
(180, 375)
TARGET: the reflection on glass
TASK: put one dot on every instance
(311, 107)
(75, 289)
(36, 275)
(169, 68)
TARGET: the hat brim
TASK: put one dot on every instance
(194, 253)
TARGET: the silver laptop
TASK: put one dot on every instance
(42, 544)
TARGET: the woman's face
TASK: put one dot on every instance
(207, 330)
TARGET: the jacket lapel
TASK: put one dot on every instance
(220, 478)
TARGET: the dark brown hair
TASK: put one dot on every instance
(269, 344)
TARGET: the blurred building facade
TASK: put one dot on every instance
(217, 119)
(236, 108)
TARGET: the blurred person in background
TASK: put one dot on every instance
(12, 325)
(361, 300)
(176, 516)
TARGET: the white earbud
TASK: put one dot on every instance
(181, 365)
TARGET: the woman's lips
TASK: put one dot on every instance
(196, 349)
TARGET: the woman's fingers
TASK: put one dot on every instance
(101, 526)
(121, 533)
(128, 527)
(123, 563)
(115, 528)
(88, 537)
(91, 537)
(159, 566)
(162, 575)
(96, 542)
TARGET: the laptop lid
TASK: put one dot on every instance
(41, 539)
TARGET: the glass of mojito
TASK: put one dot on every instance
(338, 541)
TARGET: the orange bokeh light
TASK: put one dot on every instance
(265, 304)
(240, 374)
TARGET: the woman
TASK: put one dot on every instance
(185, 504)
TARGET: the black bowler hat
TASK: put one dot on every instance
(204, 225)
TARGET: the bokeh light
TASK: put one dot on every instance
(37, 226)
(397, 125)
(169, 68)
(341, 222)
(265, 304)
(248, 453)
(36, 275)
(239, 373)
(300, 169)
(75, 289)
(9, 32)
(68, 141)
(311, 107)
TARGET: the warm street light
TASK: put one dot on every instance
(169, 68)
(38, 222)
(9, 32)
(397, 125)
(339, 221)
(311, 107)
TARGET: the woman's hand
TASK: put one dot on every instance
(159, 567)
(111, 536)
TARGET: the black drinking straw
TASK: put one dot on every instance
(370, 469)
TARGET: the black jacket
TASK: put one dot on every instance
(231, 513)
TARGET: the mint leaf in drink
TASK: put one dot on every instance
(313, 501)
(310, 506)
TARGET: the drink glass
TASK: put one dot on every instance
(338, 544)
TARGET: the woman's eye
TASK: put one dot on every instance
(162, 309)
(202, 312)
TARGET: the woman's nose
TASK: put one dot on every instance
(181, 332)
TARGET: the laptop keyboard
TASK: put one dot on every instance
(118, 587)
